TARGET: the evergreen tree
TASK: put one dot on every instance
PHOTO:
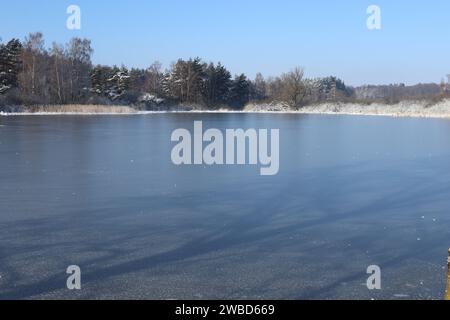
(99, 77)
(216, 85)
(166, 85)
(239, 92)
(118, 83)
(209, 85)
(137, 79)
(186, 80)
(332, 88)
(9, 65)
(223, 84)
(4, 83)
(112, 83)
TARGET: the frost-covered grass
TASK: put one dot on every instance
(420, 108)
(70, 109)
(402, 109)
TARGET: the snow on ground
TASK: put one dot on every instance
(401, 109)
(73, 109)
(267, 107)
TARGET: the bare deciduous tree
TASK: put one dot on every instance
(33, 64)
(293, 87)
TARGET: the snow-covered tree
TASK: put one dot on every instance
(112, 83)
(10, 62)
(119, 84)
(99, 76)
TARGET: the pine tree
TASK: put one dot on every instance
(137, 79)
(99, 76)
(239, 92)
(195, 78)
(223, 84)
(4, 86)
(9, 65)
(123, 81)
(112, 83)
(166, 87)
(118, 83)
(331, 88)
(187, 79)
(209, 85)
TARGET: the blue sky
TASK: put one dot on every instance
(326, 37)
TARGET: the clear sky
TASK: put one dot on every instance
(326, 37)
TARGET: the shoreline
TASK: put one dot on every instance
(143, 113)
(403, 109)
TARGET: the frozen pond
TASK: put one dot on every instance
(101, 192)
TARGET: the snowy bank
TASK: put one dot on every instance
(72, 109)
(401, 109)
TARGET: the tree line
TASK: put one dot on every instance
(33, 74)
